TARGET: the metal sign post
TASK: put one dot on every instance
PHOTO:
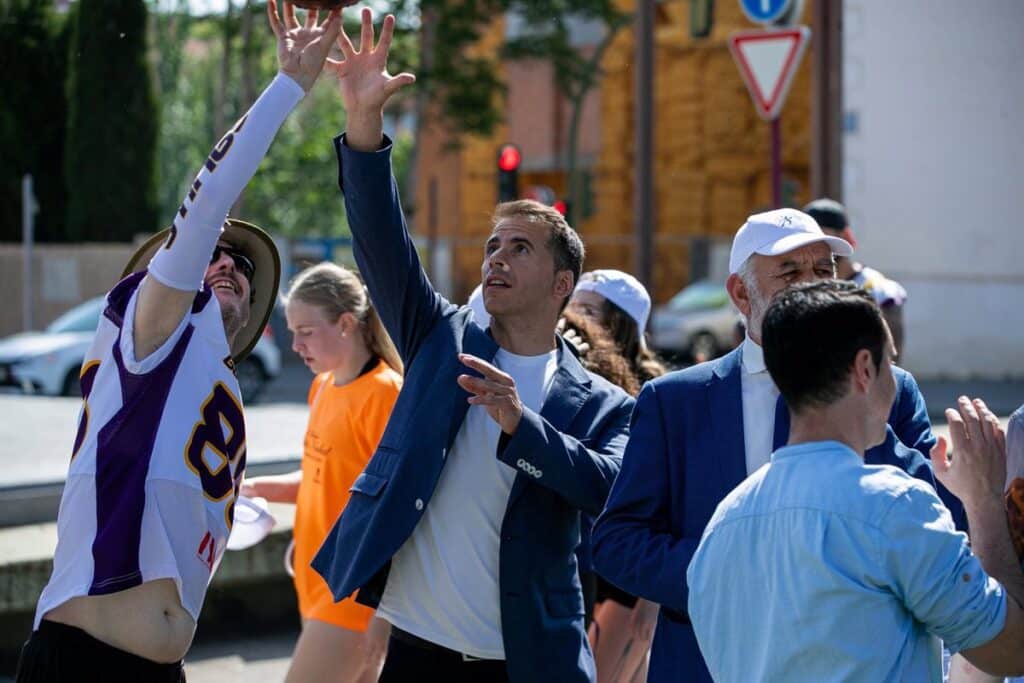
(768, 60)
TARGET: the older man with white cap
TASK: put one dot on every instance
(697, 433)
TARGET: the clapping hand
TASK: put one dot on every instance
(572, 335)
(978, 472)
(302, 48)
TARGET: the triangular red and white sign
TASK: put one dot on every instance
(768, 61)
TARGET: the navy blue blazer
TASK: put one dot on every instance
(573, 447)
(685, 453)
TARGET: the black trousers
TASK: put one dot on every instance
(413, 659)
(58, 653)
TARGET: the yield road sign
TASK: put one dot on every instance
(765, 11)
(768, 61)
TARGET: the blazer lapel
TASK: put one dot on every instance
(476, 342)
(726, 407)
(569, 390)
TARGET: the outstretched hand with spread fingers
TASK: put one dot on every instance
(977, 471)
(363, 77)
(302, 49)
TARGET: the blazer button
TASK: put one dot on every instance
(419, 503)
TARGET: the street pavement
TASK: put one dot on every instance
(255, 659)
(37, 432)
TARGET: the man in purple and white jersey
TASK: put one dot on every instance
(160, 450)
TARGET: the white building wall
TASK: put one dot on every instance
(934, 172)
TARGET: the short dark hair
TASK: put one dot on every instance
(828, 214)
(564, 242)
(811, 335)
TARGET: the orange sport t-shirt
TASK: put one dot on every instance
(345, 424)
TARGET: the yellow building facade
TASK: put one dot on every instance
(711, 164)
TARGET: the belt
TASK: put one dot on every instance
(415, 641)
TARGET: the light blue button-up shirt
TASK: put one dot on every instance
(821, 568)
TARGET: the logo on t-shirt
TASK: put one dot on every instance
(206, 550)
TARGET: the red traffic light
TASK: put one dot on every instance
(509, 158)
(561, 206)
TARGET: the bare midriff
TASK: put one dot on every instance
(147, 620)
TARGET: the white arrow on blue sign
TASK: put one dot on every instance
(765, 11)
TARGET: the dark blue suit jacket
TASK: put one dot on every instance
(685, 453)
(573, 447)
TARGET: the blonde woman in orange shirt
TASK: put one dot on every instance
(338, 335)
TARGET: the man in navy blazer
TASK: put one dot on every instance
(463, 526)
(697, 433)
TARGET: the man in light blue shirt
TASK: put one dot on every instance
(821, 568)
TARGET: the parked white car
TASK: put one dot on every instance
(49, 361)
(699, 322)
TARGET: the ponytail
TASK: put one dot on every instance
(379, 341)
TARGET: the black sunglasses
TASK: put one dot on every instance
(243, 264)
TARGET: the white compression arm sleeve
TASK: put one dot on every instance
(182, 262)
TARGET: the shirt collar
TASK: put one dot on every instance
(753, 357)
(836, 448)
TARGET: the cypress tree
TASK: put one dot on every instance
(33, 112)
(112, 124)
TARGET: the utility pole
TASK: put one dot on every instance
(643, 124)
(826, 111)
(29, 208)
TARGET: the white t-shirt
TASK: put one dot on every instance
(157, 462)
(444, 585)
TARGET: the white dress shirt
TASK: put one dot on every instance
(759, 398)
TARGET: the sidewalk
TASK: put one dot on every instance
(1002, 396)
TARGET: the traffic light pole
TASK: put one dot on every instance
(643, 195)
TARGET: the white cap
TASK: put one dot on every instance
(779, 232)
(253, 522)
(623, 290)
(476, 304)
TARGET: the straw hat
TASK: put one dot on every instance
(255, 243)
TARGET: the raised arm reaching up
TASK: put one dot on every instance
(365, 84)
(184, 264)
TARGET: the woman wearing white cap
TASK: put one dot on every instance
(623, 625)
(618, 301)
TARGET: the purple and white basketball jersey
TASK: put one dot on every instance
(157, 461)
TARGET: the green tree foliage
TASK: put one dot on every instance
(577, 72)
(112, 124)
(295, 192)
(33, 59)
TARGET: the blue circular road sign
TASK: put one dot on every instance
(765, 11)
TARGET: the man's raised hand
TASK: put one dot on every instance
(364, 81)
(978, 470)
(302, 48)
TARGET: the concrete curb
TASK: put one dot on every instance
(250, 585)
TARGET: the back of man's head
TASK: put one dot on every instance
(811, 335)
(564, 242)
(828, 214)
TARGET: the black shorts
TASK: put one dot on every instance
(58, 653)
(609, 591)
